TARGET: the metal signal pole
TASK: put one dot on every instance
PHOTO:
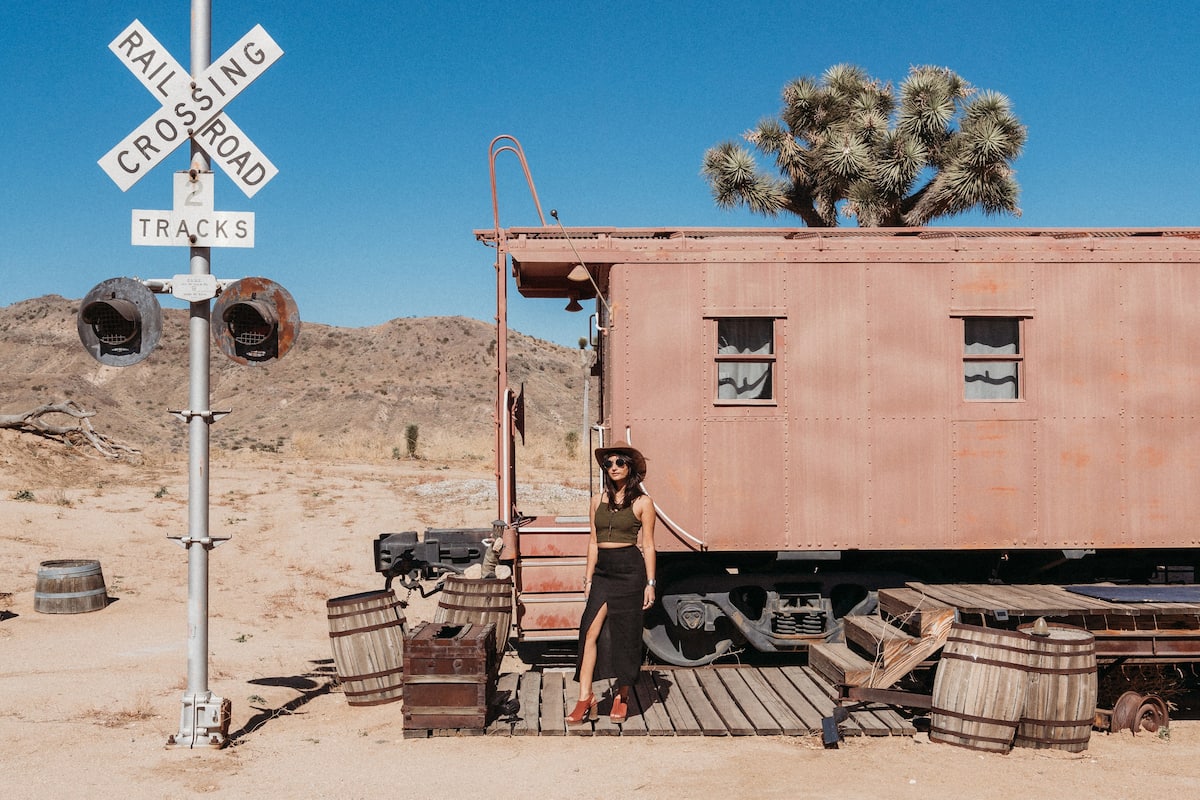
(205, 718)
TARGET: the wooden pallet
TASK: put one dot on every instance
(711, 701)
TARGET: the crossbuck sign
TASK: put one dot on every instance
(192, 108)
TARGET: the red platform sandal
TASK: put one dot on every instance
(620, 710)
(584, 709)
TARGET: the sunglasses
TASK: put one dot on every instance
(619, 461)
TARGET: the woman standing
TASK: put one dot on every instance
(619, 582)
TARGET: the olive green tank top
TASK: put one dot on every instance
(619, 526)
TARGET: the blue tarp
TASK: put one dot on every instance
(1177, 593)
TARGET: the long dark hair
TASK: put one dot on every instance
(633, 489)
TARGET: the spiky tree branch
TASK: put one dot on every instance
(848, 139)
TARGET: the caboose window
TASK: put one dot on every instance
(992, 358)
(745, 358)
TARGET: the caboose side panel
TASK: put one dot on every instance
(870, 436)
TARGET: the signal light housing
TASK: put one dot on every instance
(255, 321)
(119, 322)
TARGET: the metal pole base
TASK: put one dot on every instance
(204, 722)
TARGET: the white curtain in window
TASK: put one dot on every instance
(991, 380)
(744, 380)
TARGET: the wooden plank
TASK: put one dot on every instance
(910, 609)
(1034, 601)
(635, 722)
(839, 664)
(751, 706)
(789, 723)
(735, 721)
(605, 726)
(810, 717)
(917, 652)
(896, 723)
(816, 691)
(529, 699)
(653, 708)
(709, 721)
(681, 716)
(505, 706)
(878, 639)
(553, 700)
(956, 595)
(871, 724)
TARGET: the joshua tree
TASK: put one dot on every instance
(895, 160)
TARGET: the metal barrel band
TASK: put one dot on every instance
(989, 645)
(68, 595)
(358, 611)
(1051, 740)
(456, 607)
(375, 702)
(1061, 670)
(1004, 723)
(383, 673)
(367, 629)
(935, 731)
(1057, 723)
(991, 662)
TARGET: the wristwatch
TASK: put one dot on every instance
(652, 582)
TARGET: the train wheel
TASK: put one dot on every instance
(686, 631)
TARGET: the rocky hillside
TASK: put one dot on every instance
(340, 392)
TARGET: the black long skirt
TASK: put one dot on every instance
(619, 581)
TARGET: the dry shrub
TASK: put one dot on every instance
(141, 709)
(1177, 684)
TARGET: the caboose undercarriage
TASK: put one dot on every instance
(714, 604)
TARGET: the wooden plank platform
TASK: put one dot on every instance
(710, 701)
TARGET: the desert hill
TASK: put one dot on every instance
(341, 393)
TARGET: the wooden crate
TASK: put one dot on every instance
(450, 674)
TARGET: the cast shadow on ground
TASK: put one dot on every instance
(311, 685)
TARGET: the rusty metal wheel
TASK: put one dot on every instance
(1134, 711)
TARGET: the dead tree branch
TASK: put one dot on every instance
(80, 432)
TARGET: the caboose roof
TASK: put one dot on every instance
(543, 256)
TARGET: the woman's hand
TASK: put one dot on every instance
(648, 598)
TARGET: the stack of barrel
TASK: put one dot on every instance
(1033, 687)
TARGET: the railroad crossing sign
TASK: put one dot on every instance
(193, 222)
(192, 108)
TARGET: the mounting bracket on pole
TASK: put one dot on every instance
(186, 415)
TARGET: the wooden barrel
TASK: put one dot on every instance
(70, 587)
(477, 601)
(366, 632)
(1060, 701)
(979, 690)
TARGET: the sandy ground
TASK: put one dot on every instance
(87, 701)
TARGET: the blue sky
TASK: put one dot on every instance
(379, 114)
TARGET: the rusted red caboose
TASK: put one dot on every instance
(827, 412)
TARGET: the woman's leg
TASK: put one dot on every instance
(587, 664)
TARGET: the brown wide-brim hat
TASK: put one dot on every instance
(639, 461)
